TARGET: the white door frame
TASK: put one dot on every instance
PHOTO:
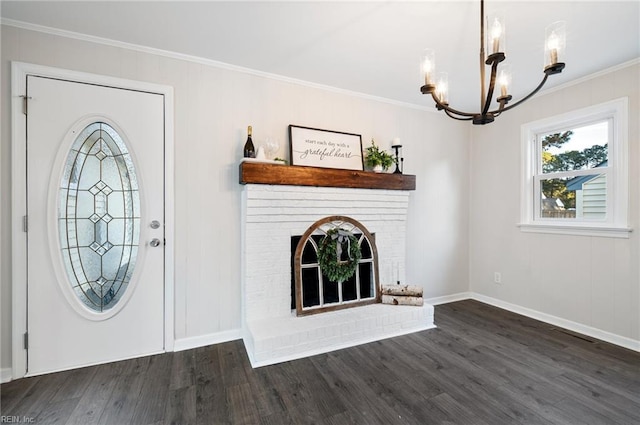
(19, 72)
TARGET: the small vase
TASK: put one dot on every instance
(377, 168)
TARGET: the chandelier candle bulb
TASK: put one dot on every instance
(504, 79)
(555, 42)
(428, 66)
(496, 33)
(553, 47)
(442, 87)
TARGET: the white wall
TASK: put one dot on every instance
(213, 106)
(592, 281)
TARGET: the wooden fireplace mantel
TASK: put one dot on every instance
(280, 174)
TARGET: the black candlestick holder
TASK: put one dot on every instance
(399, 161)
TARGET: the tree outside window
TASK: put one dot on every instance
(565, 151)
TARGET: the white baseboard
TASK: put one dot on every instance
(448, 298)
(5, 375)
(622, 341)
(179, 345)
(204, 340)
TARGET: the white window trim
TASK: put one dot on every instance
(616, 225)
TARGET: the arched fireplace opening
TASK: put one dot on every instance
(313, 290)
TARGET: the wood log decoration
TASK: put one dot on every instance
(402, 290)
(402, 295)
(401, 300)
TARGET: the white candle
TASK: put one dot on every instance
(496, 33)
(552, 44)
(427, 68)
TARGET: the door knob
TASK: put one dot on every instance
(154, 242)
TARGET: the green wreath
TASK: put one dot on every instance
(330, 251)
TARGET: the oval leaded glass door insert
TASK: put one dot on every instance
(99, 216)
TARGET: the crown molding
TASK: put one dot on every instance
(276, 77)
(615, 68)
(207, 62)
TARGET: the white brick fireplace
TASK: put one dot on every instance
(272, 214)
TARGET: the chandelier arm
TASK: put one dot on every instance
(537, 89)
(457, 118)
(446, 107)
(502, 101)
(492, 84)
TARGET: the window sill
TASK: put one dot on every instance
(576, 230)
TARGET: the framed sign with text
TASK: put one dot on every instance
(313, 147)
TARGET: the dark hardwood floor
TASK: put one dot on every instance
(482, 365)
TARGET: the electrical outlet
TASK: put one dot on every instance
(497, 277)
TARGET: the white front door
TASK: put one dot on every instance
(95, 207)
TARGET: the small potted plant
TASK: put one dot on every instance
(377, 159)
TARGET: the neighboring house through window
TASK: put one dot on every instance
(590, 194)
(575, 172)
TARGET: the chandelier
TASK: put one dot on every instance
(437, 86)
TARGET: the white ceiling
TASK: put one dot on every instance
(368, 47)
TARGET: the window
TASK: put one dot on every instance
(99, 217)
(575, 172)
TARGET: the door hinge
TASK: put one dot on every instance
(26, 340)
(25, 103)
(25, 223)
